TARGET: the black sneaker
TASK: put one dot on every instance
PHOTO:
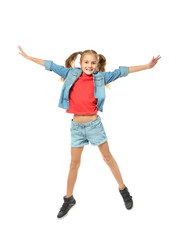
(127, 198)
(68, 203)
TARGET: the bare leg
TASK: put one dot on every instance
(110, 161)
(73, 171)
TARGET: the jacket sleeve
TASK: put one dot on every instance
(111, 76)
(58, 69)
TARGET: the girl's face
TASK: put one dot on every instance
(89, 64)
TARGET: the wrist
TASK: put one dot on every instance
(148, 66)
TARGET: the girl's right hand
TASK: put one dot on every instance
(22, 52)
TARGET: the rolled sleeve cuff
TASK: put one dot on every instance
(47, 64)
(124, 71)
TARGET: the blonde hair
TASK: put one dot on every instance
(100, 59)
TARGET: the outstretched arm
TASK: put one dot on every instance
(36, 60)
(151, 64)
(49, 65)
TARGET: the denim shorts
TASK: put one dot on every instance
(83, 133)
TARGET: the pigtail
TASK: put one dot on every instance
(101, 66)
(101, 63)
(70, 62)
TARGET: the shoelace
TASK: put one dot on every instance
(126, 196)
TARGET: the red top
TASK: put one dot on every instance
(81, 97)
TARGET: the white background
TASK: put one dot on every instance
(138, 118)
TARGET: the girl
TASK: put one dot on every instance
(83, 94)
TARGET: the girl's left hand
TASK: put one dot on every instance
(153, 61)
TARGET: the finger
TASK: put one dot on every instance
(158, 58)
(20, 48)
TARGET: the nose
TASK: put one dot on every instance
(90, 65)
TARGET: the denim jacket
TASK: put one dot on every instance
(72, 74)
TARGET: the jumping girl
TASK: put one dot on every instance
(83, 94)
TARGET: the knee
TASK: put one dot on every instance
(108, 158)
(74, 164)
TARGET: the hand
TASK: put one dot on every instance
(22, 52)
(153, 61)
